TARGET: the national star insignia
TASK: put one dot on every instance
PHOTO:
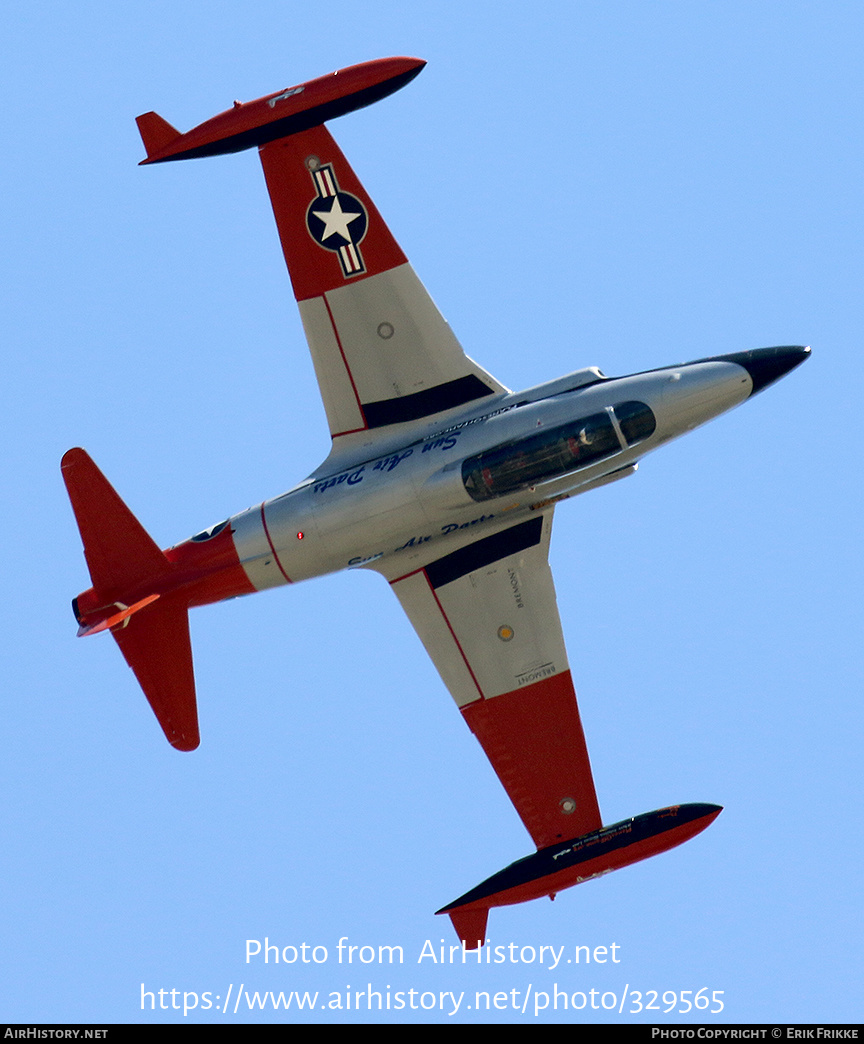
(336, 221)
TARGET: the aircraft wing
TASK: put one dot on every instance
(382, 351)
(487, 614)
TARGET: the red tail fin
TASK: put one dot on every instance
(155, 132)
(120, 552)
(470, 926)
(127, 566)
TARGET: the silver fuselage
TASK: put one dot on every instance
(378, 511)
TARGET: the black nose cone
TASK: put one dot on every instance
(766, 365)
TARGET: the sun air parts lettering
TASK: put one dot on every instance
(442, 443)
(354, 563)
(389, 463)
(349, 478)
(415, 542)
(451, 527)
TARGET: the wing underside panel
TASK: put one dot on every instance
(487, 614)
(382, 351)
(534, 739)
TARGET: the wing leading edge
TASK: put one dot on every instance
(487, 614)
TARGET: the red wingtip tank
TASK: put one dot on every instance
(279, 114)
(568, 863)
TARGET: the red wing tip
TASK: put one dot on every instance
(73, 456)
(181, 743)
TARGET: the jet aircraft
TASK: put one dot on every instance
(439, 477)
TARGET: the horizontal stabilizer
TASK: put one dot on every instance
(111, 616)
(157, 647)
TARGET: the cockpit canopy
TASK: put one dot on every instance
(557, 451)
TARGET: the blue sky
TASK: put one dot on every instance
(616, 184)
